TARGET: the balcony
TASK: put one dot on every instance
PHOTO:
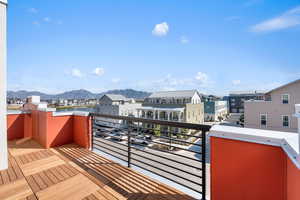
(66, 156)
(58, 156)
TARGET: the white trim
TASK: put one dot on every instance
(289, 121)
(265, 126)
(288, 99)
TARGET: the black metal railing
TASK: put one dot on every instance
(173, 150)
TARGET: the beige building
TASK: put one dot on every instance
(277, 111)
(178, 106)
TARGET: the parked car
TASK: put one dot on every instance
(139, 140)
(102, 133)
(118, 136)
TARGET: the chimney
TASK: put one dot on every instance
(3, 126)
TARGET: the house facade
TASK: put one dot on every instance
(181, 106)
(277, 111)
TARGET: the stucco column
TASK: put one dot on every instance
(168, 114)
(3, 128)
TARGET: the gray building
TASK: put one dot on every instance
(236, 99)
(114, 104)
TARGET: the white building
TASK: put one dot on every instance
(114, 104)
(183, 106)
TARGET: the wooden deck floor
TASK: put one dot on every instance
(70, 173)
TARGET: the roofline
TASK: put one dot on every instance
(195, 91)
(298, 80)
(4, 2)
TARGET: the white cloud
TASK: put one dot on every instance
(115, 80)
(32, 10)
(184, 40)
(76, 73)
(289, 19)
(47, 19)
(202, 77)
(236, 82)
(98, 71)
(161, 29)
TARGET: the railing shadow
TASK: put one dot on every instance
(125, 181)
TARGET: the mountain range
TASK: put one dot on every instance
(77, 94)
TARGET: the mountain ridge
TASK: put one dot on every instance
(77, 94)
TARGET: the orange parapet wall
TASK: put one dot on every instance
(49, 130)
(249, 171)
(15, 126)
(82, 131)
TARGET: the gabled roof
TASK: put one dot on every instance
(116, 97)
(288, 84)
(171, 94)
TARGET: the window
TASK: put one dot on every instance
(285, 98)
(263, 120)
(285, 121)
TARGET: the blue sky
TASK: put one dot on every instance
(213, 46)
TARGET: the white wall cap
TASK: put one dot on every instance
(75, 113)
(16, 112)
(288, 141)
(81, 113)
(47, 109)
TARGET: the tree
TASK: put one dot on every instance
(157, 131)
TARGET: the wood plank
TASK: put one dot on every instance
(75, 188)
(5, 177)
(34, 186)
(15, 190)
(41, 165)
(42, 185)
(51, 176)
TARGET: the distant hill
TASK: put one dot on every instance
(77, 94)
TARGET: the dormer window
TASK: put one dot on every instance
(285, 98)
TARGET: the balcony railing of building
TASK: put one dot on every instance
(172, 150)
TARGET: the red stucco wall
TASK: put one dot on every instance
(247, 171)
(15, 126)
(293, 181)
(59, 130)
(82, 131)
(48, 130)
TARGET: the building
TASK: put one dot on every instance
(115, 104)
(236, 99)
(178, 106)
(215, 110)
(276, 112)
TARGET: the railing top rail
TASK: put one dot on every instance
(201, 127)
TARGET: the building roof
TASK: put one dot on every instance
(116, 97)
(171, 94)
(288, 84)
(248, 92)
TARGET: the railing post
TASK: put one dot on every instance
(129, 144)
(203, 165)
